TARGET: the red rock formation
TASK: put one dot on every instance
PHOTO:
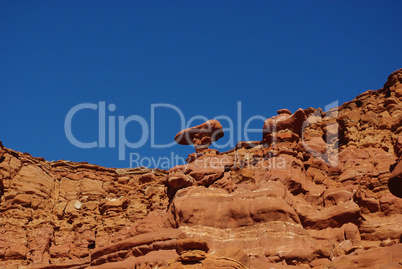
(322, 190)
(284, 121)
(201, 136)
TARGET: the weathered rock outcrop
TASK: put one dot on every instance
(201, 136)
(57, 212)
(284, 121)
(321, 190)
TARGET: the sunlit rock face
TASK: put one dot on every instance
(320, 190)
(201, 136)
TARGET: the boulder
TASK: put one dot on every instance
(201, 136)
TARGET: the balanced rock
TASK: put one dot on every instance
(200, 136)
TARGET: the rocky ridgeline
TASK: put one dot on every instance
(287, 201)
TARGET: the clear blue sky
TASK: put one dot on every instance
(200, 56)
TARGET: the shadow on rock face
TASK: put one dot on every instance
(1, 152)
(395, 180)
(395, 186)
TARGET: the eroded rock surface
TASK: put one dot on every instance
(201, 136)
(321, 190)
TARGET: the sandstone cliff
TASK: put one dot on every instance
(320, 190)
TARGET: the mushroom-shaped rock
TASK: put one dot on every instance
(200, 136)
(284, 121)
(395, 180)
